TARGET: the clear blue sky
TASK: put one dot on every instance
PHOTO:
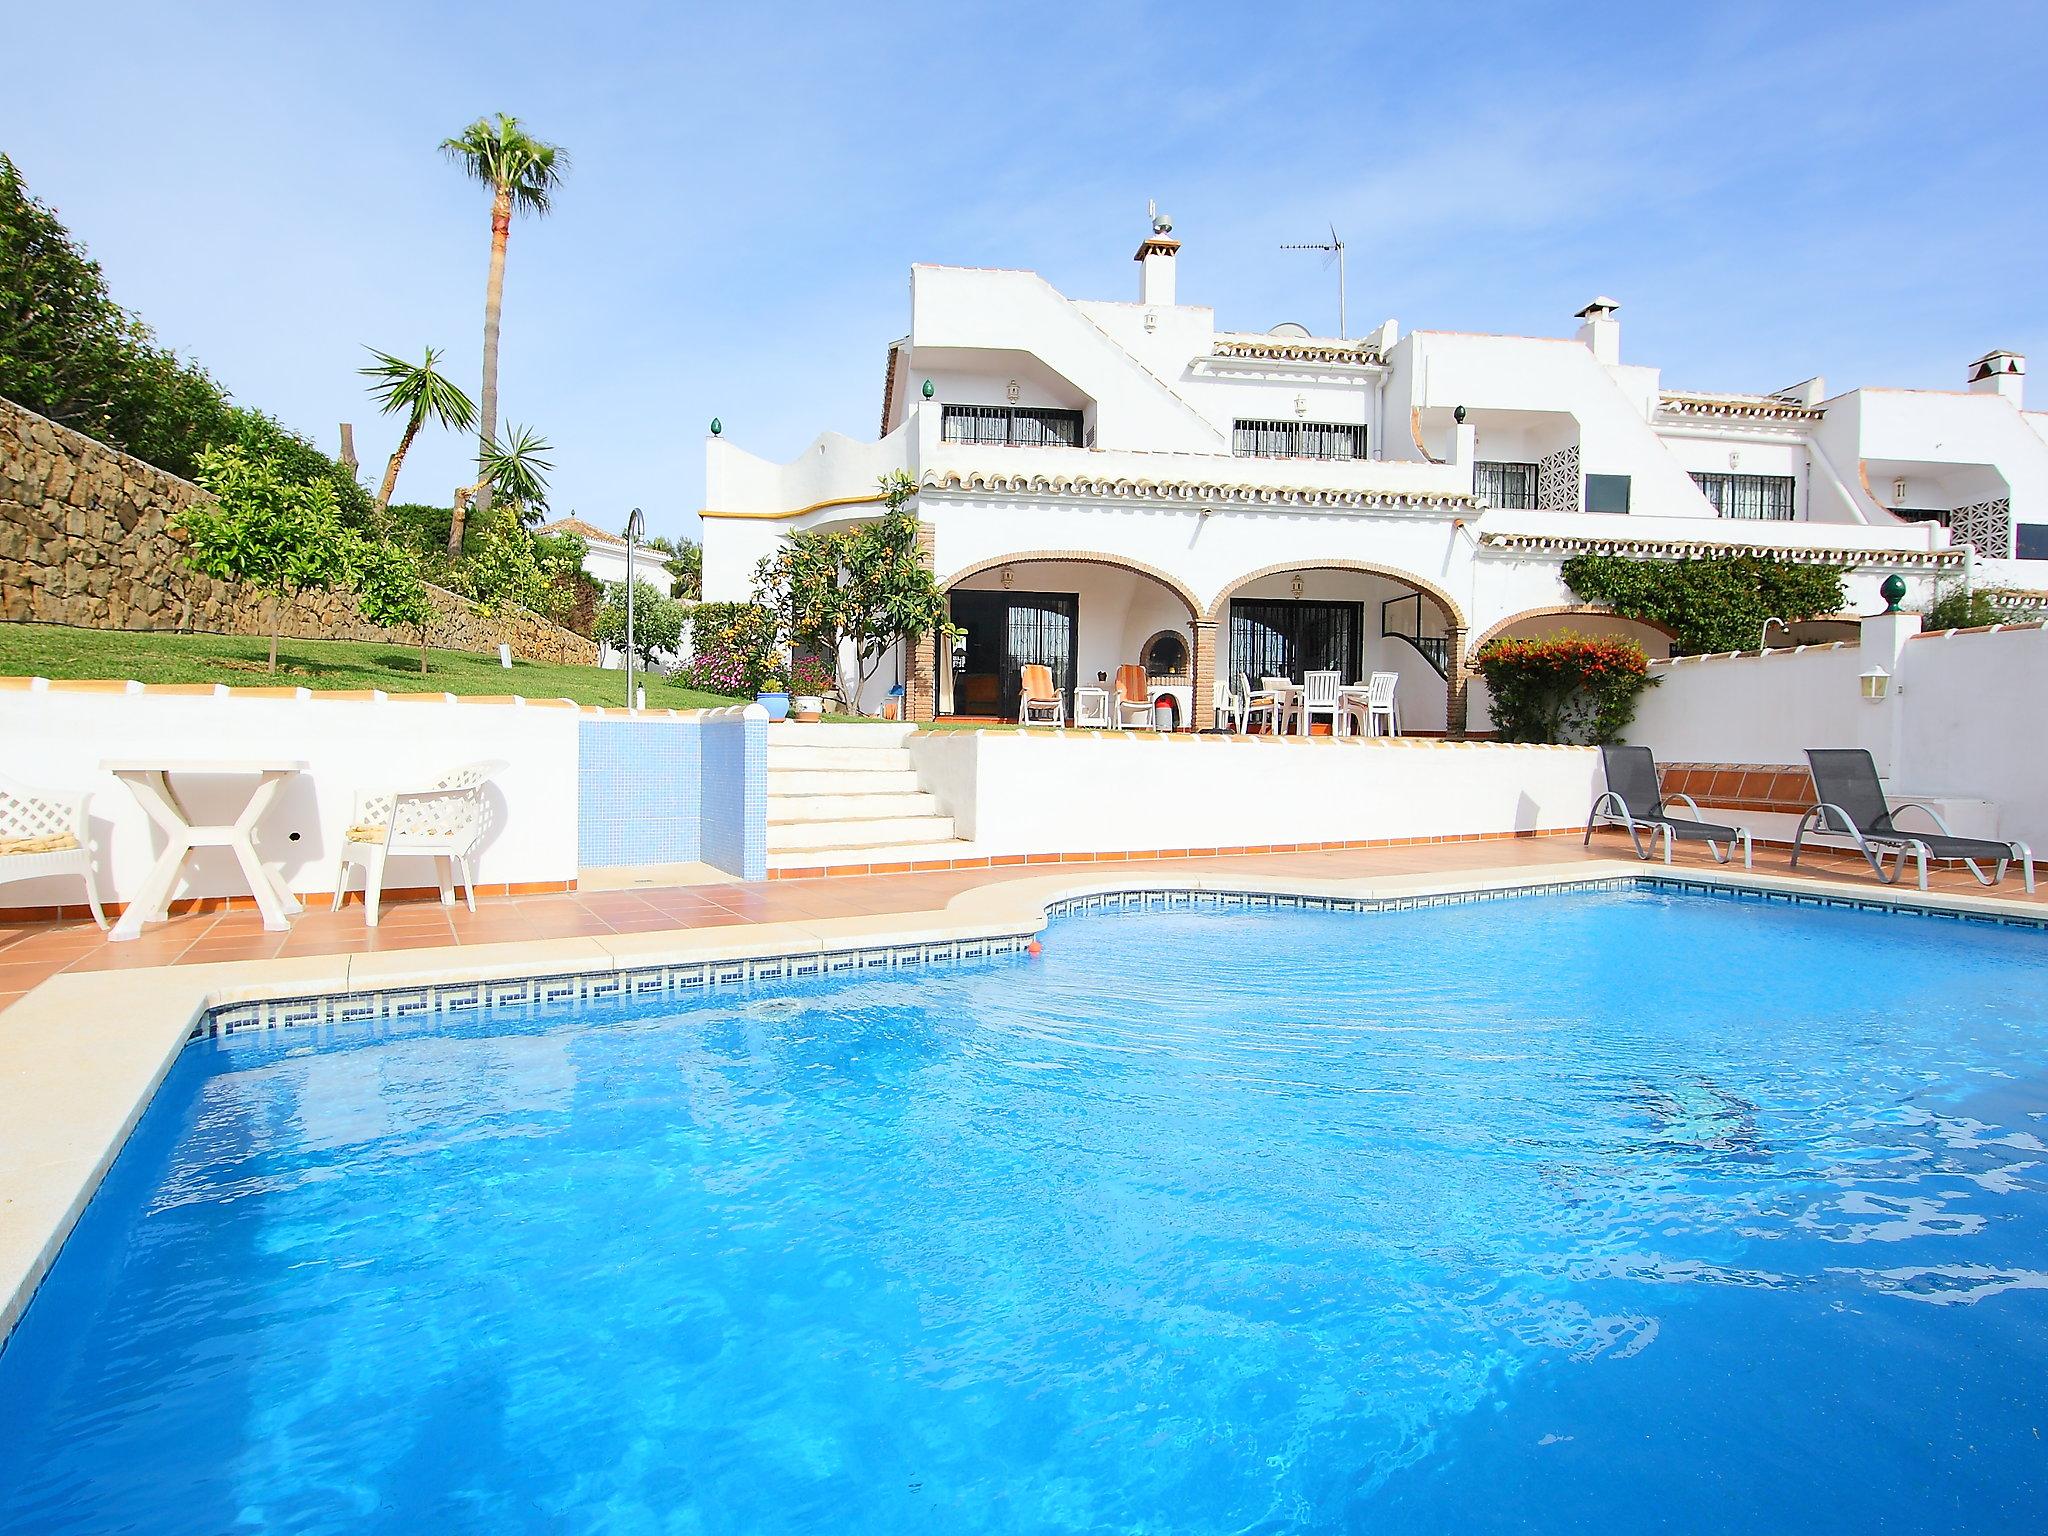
(1771, 190)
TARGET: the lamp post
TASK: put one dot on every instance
(636, 529)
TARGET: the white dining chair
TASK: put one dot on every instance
(1376, 705)
(1252, 703)
(1229, 717)
(1319, 697)
(1091, 708)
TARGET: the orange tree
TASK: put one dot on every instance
(1566, 687)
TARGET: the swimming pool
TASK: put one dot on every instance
(1623, 1211)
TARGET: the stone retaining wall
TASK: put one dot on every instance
(84, 541)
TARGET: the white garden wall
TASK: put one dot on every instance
(1963, 718)
(1036, 792)
(57, 737)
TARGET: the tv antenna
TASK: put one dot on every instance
(1333, 251)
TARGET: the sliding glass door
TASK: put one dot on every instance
(1006, 632)
(1278, 638)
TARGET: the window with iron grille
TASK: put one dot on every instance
(1011, 426)
(1297, 440)
(1504, 484)
(1759, 498)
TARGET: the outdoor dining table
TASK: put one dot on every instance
(149, 780)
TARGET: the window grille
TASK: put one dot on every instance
(1011, 426)
(1297, 440)
(1755, 498)
(1502, 484)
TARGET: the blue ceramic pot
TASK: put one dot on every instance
(777, 704)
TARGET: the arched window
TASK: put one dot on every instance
(1166, 655)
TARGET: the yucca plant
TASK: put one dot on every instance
(419, 390)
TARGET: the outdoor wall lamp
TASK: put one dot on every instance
(1294, 585)
(1876, 684)
(1012, 391)
(1009, 576)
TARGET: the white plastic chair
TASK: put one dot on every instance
(1229, 715)
(1376, 704)
(1318, 697)
(444, 822)
(1253, 702)
(45, 832)
(1133, 699)
(1038, 702)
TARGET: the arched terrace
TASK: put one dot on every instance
(1355, 617)
(1084, 615)
(1582, 619)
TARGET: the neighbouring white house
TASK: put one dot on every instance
(1103, 483)
(604, 556)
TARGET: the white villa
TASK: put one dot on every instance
(1103, 483)
(604, 553)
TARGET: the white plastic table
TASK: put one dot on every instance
(149, 780)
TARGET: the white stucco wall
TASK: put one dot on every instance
(1033, 792)
(56, 738)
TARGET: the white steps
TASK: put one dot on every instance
(783, 808)
(848, 795)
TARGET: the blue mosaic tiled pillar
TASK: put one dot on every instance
(734, 791)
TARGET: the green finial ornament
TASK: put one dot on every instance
(1893, 592)
(928, 390)
(717, 426)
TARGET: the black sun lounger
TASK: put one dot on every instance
(1849, 802)
(1633, 800)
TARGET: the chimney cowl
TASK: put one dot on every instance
(2000, 372)
(1600, 308)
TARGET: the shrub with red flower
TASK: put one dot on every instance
(1566, 687)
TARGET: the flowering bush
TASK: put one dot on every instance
(732, 645)
(1564, 687)
(810, 678)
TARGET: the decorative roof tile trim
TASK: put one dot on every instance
(1753, 407)
(1776, 650)
(1122, 488)
(1298, 350)
(1693, 549)
(1980, 629)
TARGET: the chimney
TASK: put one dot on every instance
(1599, 330)
(2000, 373)
(1155, 263)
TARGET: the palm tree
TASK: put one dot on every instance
(518, 472)
(522, 174)
(420, 392)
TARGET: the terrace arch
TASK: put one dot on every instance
(1084, 613)
(1353, 616)
(1586, 618)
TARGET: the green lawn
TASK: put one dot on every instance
(53, 651)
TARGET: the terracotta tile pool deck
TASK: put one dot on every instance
(30, 953)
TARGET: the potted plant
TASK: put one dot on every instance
(773, 695)
(809, 681)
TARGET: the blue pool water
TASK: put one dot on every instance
(1609, 1212)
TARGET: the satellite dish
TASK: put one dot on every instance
(1290, 328)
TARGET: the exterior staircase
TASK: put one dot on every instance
(846, 795)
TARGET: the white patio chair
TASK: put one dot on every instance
(1318, 697)
(1133, 698)
(1254, 702)
(1287, 696)
(1038, 702)
(45, 832)
(1375, 705)
(445, 821)
(1091, 708)
(1229, 714)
